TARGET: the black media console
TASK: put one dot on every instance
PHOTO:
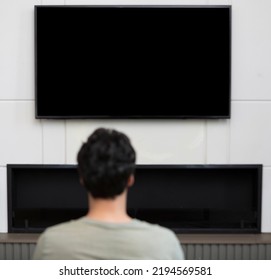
(185, 198)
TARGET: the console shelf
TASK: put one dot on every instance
(184, 198)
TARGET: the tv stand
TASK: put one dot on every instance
(184, 198)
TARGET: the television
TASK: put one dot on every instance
(146, 62)
(184, 198)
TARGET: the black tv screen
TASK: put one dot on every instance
(132, 61)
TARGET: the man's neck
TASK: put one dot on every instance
(109, 210)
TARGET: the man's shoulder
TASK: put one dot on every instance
(82, 225)
(153, 236)
(62, 227)
(154, 228)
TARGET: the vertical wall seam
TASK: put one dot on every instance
(42, 141)
(206, 142)
(228, 149)
(65, 141)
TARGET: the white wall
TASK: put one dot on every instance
(245, 138)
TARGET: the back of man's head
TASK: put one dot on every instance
(105, 163)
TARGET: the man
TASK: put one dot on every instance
(106, 164)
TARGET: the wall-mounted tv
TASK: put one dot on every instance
(132, 62)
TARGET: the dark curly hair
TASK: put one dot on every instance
(105, 163)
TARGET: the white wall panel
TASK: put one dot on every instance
(21, 135)
(251, 133)
(3, 200)
(52, 2)
(217, 147)
(136, 2)
(266, 197)
(54, 141)
(251, 44)
(17, 49)
(220, 2)
(179, 142)
(156, 142)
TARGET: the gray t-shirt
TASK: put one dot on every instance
(88, 239)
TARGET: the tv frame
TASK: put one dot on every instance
(256, 167)
(140, 117)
